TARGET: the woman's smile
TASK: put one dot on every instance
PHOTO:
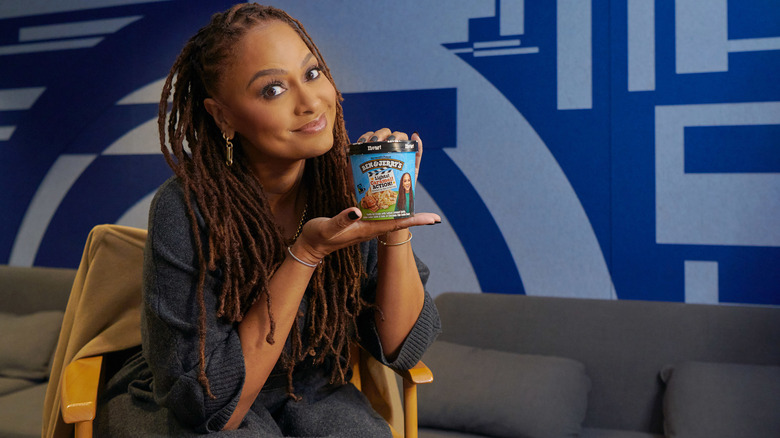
(315, 126)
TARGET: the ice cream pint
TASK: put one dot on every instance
(384, 177)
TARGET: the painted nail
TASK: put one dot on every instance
(361, 140)
(374, 138)
(390, 138)
(352, 215)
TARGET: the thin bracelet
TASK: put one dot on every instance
(395, 244)
(301, 261)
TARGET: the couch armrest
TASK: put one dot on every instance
(79, 390)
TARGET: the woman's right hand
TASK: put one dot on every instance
(321, 236)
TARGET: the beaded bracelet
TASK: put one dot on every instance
(395, 244)
(301, 261)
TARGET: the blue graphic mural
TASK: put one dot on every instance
(583, 148)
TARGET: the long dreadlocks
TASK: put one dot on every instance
(243, 240)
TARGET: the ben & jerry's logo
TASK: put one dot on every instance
(385, 163)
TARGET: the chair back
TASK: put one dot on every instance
(104, 309)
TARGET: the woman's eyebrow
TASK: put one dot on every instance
(276, 71)
(266, 72)
(306, 59)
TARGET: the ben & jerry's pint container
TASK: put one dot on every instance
(384, 177)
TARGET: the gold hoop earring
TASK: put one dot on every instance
(229, 149)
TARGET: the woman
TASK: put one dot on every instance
(258, 274)
(405, 201)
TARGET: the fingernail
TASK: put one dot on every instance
(361, 140)
(374, 138)
(416, 133)
(390, 138)
(352, 215)
(435, 223)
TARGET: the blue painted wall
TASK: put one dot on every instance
(583, 148)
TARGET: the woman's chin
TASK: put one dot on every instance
(321, 147)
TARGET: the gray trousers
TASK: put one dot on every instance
(323, 411)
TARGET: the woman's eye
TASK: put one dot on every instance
(272, 91)
(314, 73)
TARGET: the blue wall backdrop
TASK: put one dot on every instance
(583, 148)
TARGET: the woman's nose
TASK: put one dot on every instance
(308, 100)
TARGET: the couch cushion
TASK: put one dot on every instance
(25, 289)
(11, 384)
(26, 409)
(502, 394)
(715, 400)
(27, 343)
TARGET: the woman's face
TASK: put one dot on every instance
(406, 181)
(275, 97)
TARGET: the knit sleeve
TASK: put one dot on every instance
(423, 333)
(170, 322)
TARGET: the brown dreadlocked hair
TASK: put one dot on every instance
(244, 242)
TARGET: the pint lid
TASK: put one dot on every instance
(380, 147)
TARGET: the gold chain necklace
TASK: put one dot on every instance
(300, 224)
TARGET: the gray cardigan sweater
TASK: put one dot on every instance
(168, 372)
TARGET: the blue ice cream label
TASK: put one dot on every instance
(384, 177)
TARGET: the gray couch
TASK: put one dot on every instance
(521, 366)
(505, 365)
(32, 303)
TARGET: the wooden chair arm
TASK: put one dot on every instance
(79, 391)
(418, 374)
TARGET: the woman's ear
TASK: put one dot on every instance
(219, 114)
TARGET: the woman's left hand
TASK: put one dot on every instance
(322, 235)
(385, 134)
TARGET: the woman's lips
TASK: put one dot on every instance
(314, 126)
